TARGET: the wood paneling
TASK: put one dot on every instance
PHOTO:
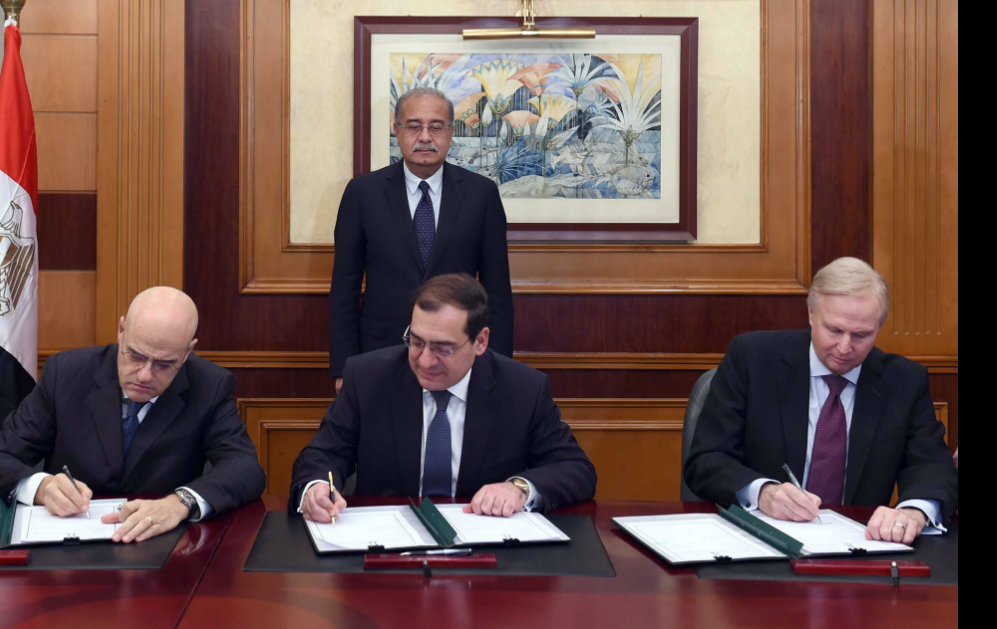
(141, 132)
(67, 231)
(65, 310)
(779, 264)
(78, 17)
(61, 71)
(67, 152)
(841, 130)
(916, 166)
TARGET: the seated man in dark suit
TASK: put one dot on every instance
(139, 417)
(444, 416)
(850, 420)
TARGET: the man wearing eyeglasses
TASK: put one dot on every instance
(140, 417)
(444, 416)
(411, 221)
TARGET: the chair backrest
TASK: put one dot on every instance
(696, 400)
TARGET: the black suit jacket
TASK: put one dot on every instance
(73, 418)
(512, 428)
(375, 236)
(756, 418)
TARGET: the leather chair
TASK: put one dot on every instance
(696, 400)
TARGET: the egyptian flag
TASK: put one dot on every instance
(18, 232)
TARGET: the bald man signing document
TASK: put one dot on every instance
(138, 417)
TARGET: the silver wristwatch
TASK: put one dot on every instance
(190, 502)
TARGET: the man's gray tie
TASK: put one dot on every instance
(425, 224)
(129, 425)
(437, 474)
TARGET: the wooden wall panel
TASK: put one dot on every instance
(916, 165)
(67, 230)
(141, 131)
(76, 17)
(65, 309)
(67, 152)
(61, 72)
(841, 130)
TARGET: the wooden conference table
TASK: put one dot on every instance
(203, 585)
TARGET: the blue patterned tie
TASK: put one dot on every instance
(129, 425)
(437, 475)
(425, 224)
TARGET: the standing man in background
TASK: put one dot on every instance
(408, 222)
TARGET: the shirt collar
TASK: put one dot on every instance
(458, 390)
(412, 182)
(124, 398)
(818, 369)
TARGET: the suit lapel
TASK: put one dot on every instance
(794, 402)
(398, 200)
(159, 417)
(478, 420)
(450, 206)
(105, 410)
(869, 402)
(406, 413)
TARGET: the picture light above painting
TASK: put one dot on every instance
(588, 141)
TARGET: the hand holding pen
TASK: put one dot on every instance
(796, 483)
(63, 496)
(322, 503)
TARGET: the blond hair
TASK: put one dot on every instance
(850, 276)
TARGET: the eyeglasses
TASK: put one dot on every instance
(159, 367)
(416, 128)
(440, 351)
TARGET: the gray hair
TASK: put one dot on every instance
(849, 276)
(422, 91)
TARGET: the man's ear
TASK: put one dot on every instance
(121, 328)
(481, 342)
(810, 312)
(190, 348)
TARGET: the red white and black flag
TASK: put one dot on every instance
(18, 231)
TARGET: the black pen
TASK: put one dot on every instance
(444, 551)
(65, 469)
(895, 571)
(796, 483)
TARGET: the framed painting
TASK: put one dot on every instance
(587, 140)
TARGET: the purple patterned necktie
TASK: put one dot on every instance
(129, 425)
(827, 463)
(437, 474)
(425, 224)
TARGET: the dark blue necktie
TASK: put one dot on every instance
(129, 425)
(437, 474)
(425, 224)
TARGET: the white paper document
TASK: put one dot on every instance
(834, 534)
(485, 529)
(398, 527)
(35, 525)
(695, 538)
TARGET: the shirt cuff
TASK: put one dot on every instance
(748, 495)
(932, 509)
(28, 487)
(202, 504)
(304, 491)
(533, 501)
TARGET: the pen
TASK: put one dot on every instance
(65, 468)
(332, 492)
(444, 551)
(796, 483)
(895, 572)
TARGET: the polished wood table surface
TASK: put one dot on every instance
(80, 599)
(645, 592)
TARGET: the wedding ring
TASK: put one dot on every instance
(900, 525)
(151, 521)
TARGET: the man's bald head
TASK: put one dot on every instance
(155, 338)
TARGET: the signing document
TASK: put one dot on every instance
(35, 525)
(406, 527)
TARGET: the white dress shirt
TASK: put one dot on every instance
(435, 182)
(27, 488)
(819, 392)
